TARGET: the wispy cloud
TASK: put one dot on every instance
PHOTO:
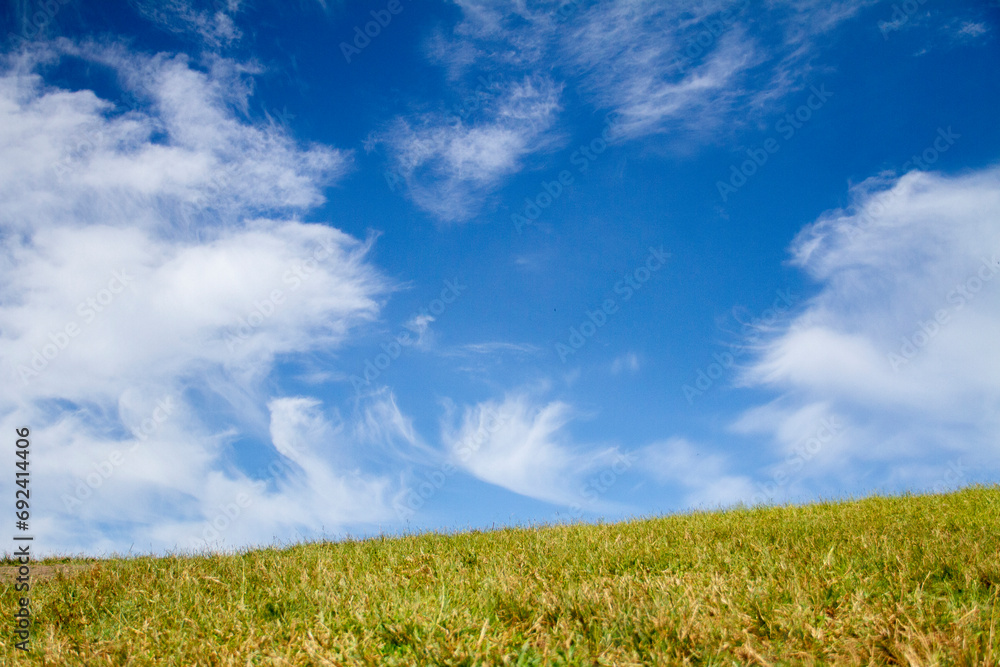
(661, 67)
(521, 444)
(633, 57)
(628, 362)
(703, 478)
(941, 27)
(483, 360)
(385, 434)
(499, 348)
(449, 164)
(214, 26)
(966, 31)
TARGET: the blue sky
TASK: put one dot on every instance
(266, 277)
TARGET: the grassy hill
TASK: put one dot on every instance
(909, 580)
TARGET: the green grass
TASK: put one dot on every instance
(909, 580)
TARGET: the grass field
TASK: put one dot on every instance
(908, 580)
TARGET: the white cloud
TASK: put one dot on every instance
(901, 338)
(944, 27)
(334, 491)
(186, 159)
(660, 66)
(421, 326)
(386, 434)
(628, 362)
(216, 28)
(964, 31)
(522, 446)
(152, 257)
(695, 66)
(484, 360)
(496, 348)
(295, 424)
(310, 489)
(643, 60)
(450, 163)
(511, 33)
(235, 302)
(972, 30)
(705, 477)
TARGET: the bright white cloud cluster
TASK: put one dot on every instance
(152, 262)
(182, 158)
(899, 345)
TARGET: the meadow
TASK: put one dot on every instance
(909, 580)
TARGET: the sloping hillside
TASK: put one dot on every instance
(905, 580)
